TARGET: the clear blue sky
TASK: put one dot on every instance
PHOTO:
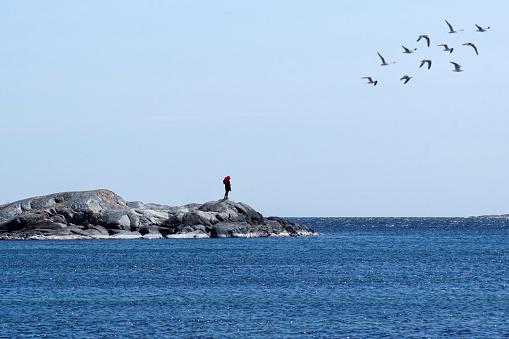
(159, 100)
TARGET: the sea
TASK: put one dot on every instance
(362, 278)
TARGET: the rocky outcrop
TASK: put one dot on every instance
(101, 214)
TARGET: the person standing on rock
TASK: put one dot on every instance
(227, 186)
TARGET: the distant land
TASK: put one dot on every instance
(102, 214)
(492, 216)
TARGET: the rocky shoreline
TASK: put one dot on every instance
(102, 214)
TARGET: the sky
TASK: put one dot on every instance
(158, 101)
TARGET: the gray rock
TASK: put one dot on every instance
(101, 214)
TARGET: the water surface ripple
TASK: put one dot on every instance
(366, 277)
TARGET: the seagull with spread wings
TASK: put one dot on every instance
(480, 29)
(456, 67)
(408, 51)
(446, 48)
(425, 37)
(406, 78)
(451, 30)
(383, 60)
(425, 61)
(370, 81)
(473, 46)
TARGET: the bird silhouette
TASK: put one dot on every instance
(406, 77)
(451, 30)
(446, 48)
(370, 81)
(425, 61)
(425, 37)
(473, 46)
(480, 29)
(383, 60)
(408, 51)
(456, 67)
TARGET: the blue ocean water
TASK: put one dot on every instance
(365, 278)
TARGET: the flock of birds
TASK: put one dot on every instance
(457, 67)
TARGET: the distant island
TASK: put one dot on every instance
(102, 214)
(491, 216)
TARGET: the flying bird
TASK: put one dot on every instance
(370, 81)
(446, 48)
(451, 30)
(425, 61)
(473, 46)
(407, 79)
(480, 29)
(383, 60)
(408, 51)
(425, 37)
(456, 67)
